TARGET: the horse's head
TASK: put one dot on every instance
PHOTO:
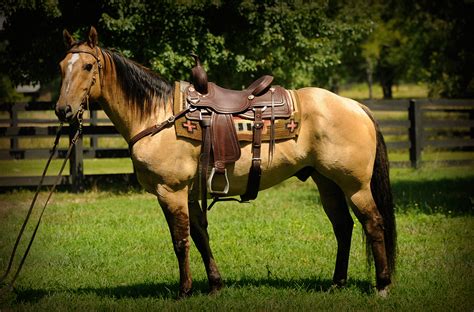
(80, 76)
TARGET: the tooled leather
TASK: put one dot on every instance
(220, 100)
(225, 144)
(282, 106)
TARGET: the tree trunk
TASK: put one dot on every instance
(370, 76)
(386, 73)
(387, 89)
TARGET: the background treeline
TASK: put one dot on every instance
(326, 43)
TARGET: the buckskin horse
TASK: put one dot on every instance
(339, 145)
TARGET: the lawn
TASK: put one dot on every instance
(111, 251)
(405, 90)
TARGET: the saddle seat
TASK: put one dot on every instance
(226, 101)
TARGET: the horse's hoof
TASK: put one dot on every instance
(334, 288)
(183, 294)
(383, 293)
(337, 285)
(340, 283)
(215, 288)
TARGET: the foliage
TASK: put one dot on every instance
(439, 44)
(7, 90)
(300, 42)
(422, 41)
(323, 43)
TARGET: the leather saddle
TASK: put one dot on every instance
(215, 107)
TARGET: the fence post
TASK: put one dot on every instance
(415, 133)
(93, 122)
(76, 163)
(14, 123)
(471, 118)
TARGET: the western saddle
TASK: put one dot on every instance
(215, 108)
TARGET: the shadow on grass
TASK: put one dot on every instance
(448, 196)
(200, 287)
(115, 184)
(452, 197)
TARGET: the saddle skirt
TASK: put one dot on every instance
(286, 114)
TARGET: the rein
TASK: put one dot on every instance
(84, 100)
(33, 202)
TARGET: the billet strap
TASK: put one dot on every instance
(204, 160)
(155, 128)
(253, 183)
(271, 147)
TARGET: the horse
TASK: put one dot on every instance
(340, 146)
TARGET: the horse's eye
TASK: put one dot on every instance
(88, 67)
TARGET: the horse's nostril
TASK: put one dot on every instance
(63, 112)
(59, 113)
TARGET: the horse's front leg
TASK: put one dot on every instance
(175, 207)
(200, 237)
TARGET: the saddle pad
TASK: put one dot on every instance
(284, 128)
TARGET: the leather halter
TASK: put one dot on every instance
(85, 98)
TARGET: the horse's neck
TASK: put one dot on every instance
(126, 120)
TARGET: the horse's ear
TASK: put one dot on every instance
(93, 38)
(68, 39)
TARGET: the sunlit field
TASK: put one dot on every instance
(111, 250)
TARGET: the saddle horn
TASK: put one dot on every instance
(199, 76)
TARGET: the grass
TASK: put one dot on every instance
(91, 166)
(11, 168)
(111, 251)
(402, 91)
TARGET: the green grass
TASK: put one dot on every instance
(11, 168)
(111, 251)
(406, 90)
(91, 166)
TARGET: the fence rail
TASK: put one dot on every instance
(408, 125)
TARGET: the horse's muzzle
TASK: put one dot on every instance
(65, 113)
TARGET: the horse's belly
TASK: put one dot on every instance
(286, 160)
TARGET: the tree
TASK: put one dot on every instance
(422, 41)
(384, 52)
(440, 42)
(300, 42)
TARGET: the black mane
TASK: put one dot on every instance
(141, 86)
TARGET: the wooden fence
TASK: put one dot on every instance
(408, 125)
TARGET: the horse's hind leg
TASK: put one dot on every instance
(200, 237)
(335, 206)
(366, 211)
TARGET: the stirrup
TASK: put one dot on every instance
(209, 183)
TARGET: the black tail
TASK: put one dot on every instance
(382, 194)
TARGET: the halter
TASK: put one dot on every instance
(85, 98)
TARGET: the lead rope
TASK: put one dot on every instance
(30, 210)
